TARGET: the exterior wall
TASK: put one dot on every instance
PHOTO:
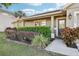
(6, 20)
(78, 19)
(29, 23)
(48, 22)
(40, 22)
(15, 24)
(20, 24)
(71, 10)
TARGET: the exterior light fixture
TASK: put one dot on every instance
(70, 16)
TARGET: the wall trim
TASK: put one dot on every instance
(75, 18)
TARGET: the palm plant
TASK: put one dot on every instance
(5, 4)
(40, 41)
(19, 14)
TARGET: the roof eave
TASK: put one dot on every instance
(44, 15)
(67, 5)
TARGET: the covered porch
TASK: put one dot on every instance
(56, 20)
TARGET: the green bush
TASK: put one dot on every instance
(44, 30)
(40, 41)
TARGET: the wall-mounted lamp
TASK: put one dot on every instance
(70, 16)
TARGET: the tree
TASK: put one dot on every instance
(19, 14)
(5, 4)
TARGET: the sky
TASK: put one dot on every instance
(34, 8)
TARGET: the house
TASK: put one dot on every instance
(68, 16)
(6, 18)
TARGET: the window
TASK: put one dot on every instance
(43, 23)
(40, 23)
(37, 24)
(61, 24)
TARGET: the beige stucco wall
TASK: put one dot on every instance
(20, 24)
(15, 24)
(6, 20)
(29, 24)
(39, 22)
(48, 22)
(78, 19)
(72, 9)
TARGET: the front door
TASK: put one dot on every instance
(61, 25)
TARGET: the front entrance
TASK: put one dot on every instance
(60, 24)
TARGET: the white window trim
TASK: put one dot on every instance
(75, 18)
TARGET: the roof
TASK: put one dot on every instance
(2, 10)
(49, 13)
(46, 12)
(43, 15)
(67, 5)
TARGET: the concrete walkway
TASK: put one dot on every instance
(58, 46)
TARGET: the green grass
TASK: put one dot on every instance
(13, 49)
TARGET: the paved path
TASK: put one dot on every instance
(58, 46)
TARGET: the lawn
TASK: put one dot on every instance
(13, 49)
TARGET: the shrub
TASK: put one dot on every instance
(23, 36)
(10, 33)
(44, 30)
(40, 41)
(26, 36)
(77, 33)
(68, 36)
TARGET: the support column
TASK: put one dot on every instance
(52, 28)
(23, 23)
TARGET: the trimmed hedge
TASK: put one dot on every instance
(44, 30)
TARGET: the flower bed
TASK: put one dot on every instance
(34, 38)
